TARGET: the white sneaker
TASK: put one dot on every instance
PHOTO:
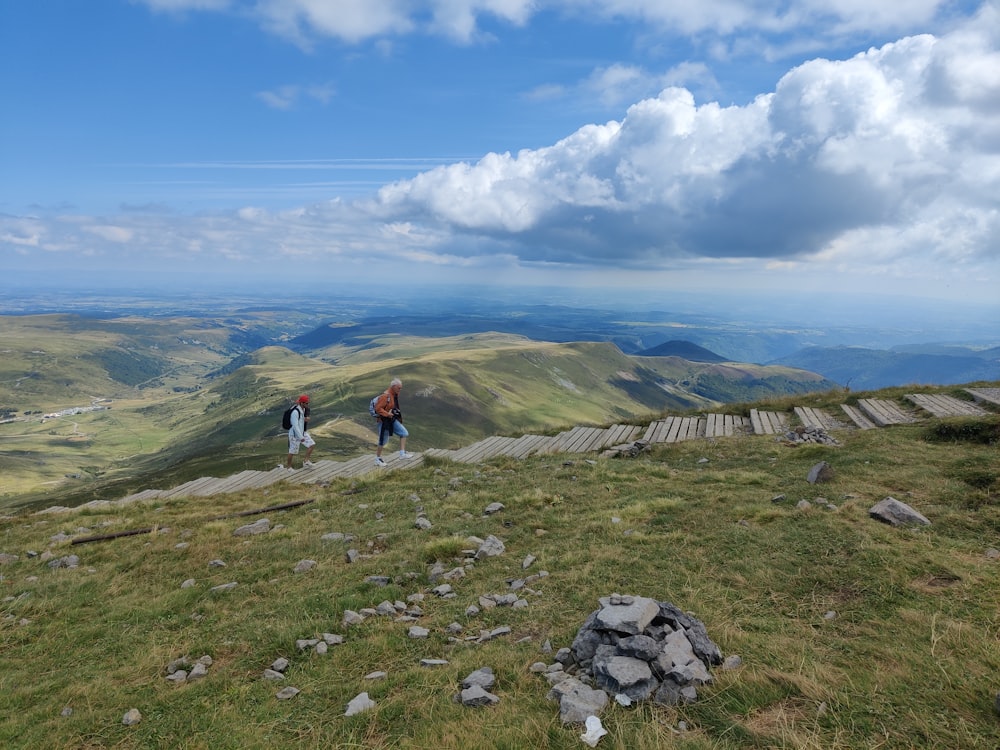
(379, 461)
(308, 463)
(404, 454)
(289, 469)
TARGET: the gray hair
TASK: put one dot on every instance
(395, 381)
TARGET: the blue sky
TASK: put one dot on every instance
(818, 145)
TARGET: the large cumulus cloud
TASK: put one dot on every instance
(896, 141)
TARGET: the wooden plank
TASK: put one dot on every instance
(858, 417)
(536, 444)
(673, 430)
(588, 440)
(883, 412)
(989, 395)
(777, 421)
(942, 405)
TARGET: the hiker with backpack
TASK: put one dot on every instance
(387, 410)
(295, 420)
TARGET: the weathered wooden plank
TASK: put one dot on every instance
(883, 412)
(858, 417)
(989, 395)
(942, 405)
(777, 422)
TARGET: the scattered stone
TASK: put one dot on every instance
(895, 513)
(483, 677)
(273, 674)
(418, 632)
(359, 703)
(132, 717)
(803, 505)
(433, 662)
(734, 661)
(304, 565)
(821, 472)
(527, 562)
(594, 731)
(67, 711)
(280, 664)
(188, 583)
(352, 618)
(491, 547)
(352, 555)
(333, 536)
(287, 693)
(216, 564)
(378, 580)
(6, 558)
(376, 675)
(993, 554)
(423, 523)
(69, 561)
(177, 677)
(492, 508)
(261, 526)
(224, 587)
(778, 499)
(477, 696)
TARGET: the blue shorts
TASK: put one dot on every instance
(397, 429)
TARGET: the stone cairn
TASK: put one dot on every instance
(631, 649)
(810, 434)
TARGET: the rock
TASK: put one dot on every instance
(224, 587)
(273, 674)
(359, 703)
(577, 701)
(895, 513)
(821, 472)
(477, 696)
(287, 693)
(187, 583)
(492, 508)
(132, 717)
(304, 565)
(261, 526)
(418, 632)
(491, 547)
(594, 731)
(483, 677)
(280, 664)
(352, 618)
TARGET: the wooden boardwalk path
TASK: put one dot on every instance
(866, 415)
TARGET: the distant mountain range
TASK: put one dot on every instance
(868, 369)
(684, 350)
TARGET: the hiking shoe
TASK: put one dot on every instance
(289, 469)
(404, 454)
(379, 461)
(308, 463)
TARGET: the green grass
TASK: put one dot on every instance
(910, 658)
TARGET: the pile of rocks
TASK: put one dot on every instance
(811, 434)
(633, 648)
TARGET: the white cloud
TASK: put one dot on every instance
(305, 21)
(890, 140)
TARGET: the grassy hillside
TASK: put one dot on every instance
(181, 400)
(852, 634)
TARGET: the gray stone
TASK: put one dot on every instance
(821, 472)
(261, 526)
(631, 618)
(132, 717)
(287, 693)
(625, 674)
(491, 547)
(640, 646)
(483, 677)
(352, 618)
(577, 701)
(492, 508)
(418, 632)
(359, 703)
(304, 565)
(273, 674)
(224, 587)
(895, 513)
(280, 664)
(477, 696)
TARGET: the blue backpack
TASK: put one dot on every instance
(371, 407)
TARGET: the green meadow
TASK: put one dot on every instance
(852, 633)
